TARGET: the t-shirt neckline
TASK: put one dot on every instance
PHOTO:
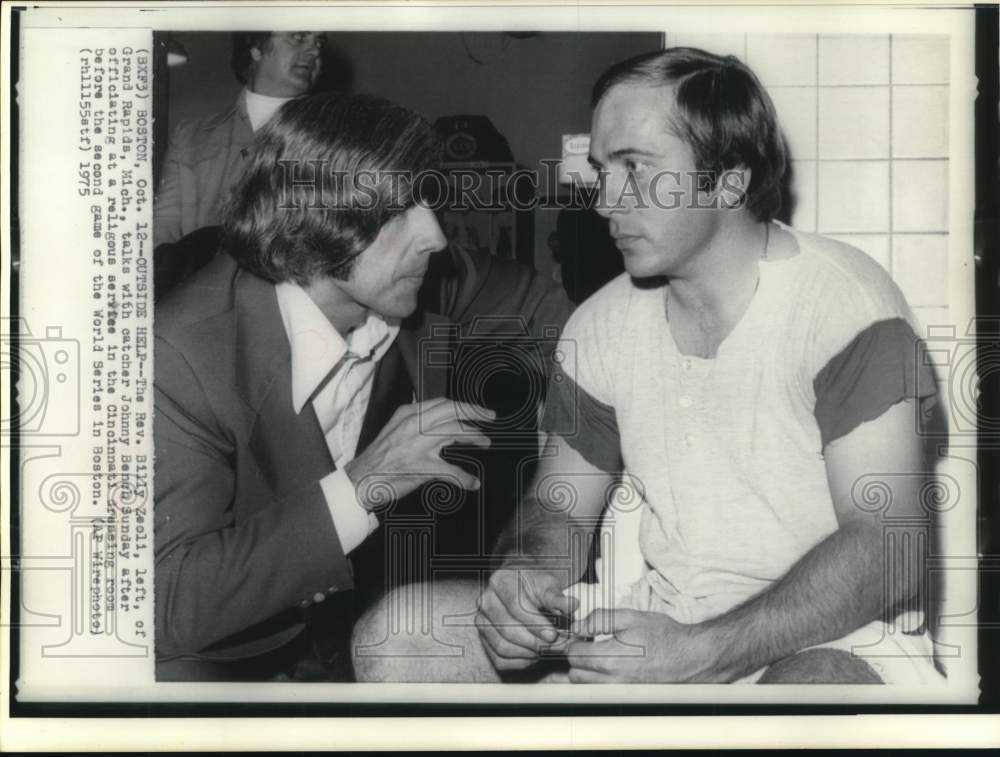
(767, 273)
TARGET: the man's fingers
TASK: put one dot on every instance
(419, 410)
(428, 406)
(590, 655)
(504, 663)
(446, 436)
(502, 649)
(486, 640)
(521, 606)
(475, 438)
(554, 600)
(604, 621)
(517, 632)
(434, 415)
(472, 412)
(465, 480)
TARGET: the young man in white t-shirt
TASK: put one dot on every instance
(746, 382)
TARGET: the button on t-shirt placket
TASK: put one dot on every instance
(688, 435)
(689, 388)
(685, 403)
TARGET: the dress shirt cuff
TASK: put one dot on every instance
(352, 522)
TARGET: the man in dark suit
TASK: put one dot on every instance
(295, 399)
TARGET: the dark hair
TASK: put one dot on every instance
(723, 113)
(243, 43)
(299, 212)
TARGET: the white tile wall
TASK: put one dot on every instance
(804, 195)
(853, 59)
(720, 44)
(920, 195)
(783, 59)
(853, 122)
(932, 318)
(866, 120)
(796, 108)
(920, 267)
(920, 59)
(920, 122)
(853, 196)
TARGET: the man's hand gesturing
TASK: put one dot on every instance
(407, 452)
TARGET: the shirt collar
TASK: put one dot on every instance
(261, 108)
(316, 346)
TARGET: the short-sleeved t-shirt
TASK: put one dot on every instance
(727, 452)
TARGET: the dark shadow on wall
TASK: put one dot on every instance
(586, 253)
(338, 72)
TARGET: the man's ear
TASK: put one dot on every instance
(256, 54)
(734, 183)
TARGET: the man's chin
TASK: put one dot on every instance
(400, 309)
(642, 268)
(301, 82)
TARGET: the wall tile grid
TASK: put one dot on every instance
(866, 121)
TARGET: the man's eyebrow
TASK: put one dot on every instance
(621, 153)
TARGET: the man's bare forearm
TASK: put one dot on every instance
(837, 587)
(539, 536)
(554, 524)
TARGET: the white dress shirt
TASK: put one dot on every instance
(261, 108)
(320, 354)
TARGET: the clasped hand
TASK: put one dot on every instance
(617, 645)
(515, 623)
(516, 611)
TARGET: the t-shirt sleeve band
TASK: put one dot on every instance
(588, 425)
(884, 364)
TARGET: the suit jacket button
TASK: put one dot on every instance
(332, 590)
(304, 604)
(319, 596)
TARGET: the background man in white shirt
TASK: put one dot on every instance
(206, 156)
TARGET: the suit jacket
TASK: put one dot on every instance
(204, 159)
(244, 538)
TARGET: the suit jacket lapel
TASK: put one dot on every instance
(289, 448)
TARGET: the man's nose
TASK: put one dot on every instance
(314, 46)
(436, 240)
(609, 195)
(440, 241)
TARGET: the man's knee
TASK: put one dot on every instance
(412, 613)
(421, 632)
(370, 628)
(374, 630)
(821, 666)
